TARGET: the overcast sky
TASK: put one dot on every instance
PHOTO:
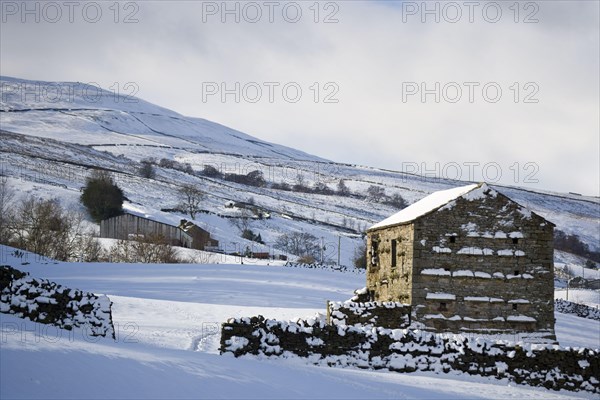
(489, 91)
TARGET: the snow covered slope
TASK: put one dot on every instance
(54, 133)
(85, 114)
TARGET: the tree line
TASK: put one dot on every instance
(573, 244)
(255, 178)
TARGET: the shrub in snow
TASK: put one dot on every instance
(50, 303)
(101, 196)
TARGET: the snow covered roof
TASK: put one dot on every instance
(156, 216)
(429, 204)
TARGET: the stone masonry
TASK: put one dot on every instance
(46, 302)
(478, 262)
(409, 350)
(387, 314)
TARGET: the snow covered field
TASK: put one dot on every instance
(167, 319)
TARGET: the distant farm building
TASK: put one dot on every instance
(130, 226)
(261, 255)
(466, 259)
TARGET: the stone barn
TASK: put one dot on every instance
(466, 259)
(194, 237)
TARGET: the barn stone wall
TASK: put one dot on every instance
(386, 282)
(490, 261)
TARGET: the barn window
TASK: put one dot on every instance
(394, 253)
(374, 253)
(452, 239)
(516, 272)
(443, 307)
(515, 240)
(515, 306)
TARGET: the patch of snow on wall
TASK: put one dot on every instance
(440, 296)
(476, 251)
(463, 273)
(520, 318)
(435, 271)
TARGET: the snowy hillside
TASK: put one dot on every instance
(85, 114)
(54, 133)
(167, 322)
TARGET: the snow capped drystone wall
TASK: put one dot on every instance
(405, 350)
(50, 303)
(581, 310)
(386, 314)
(340, 268)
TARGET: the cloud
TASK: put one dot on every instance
(368, 57)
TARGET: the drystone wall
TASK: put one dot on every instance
(405, 350)
(385, 314)
(581, 310)
(340, 268)
(46, 302)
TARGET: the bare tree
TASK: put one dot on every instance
(360, 256)
(375, 193)
(147, 249)
(146, 170)
(43, 227)
(342, 188)
(300, 183)
(397, 201)
(322, 188)
(154, 249)
(122, 251)
(166, 163)
(46, 228)
(243, 221)
(300, 244)
(7, 195)
(299, 179)
(88, 249)
(191, 197)
(83, 244)
(351, 223)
